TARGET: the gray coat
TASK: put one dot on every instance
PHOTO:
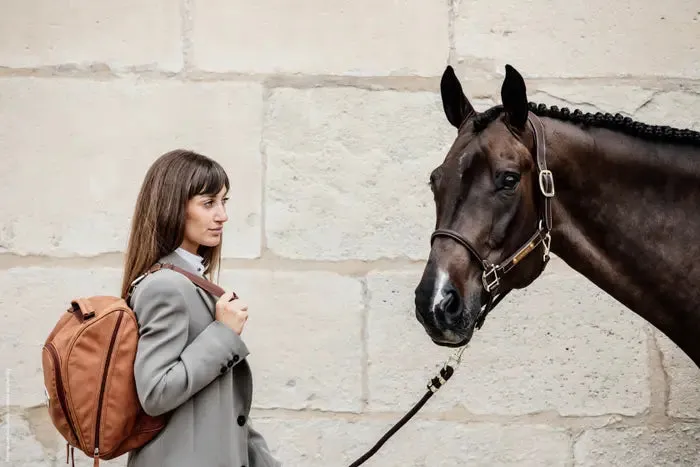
(192, 365)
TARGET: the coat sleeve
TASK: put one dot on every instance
(167, 370)
(259, 453)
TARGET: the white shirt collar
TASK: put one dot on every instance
(194, 260)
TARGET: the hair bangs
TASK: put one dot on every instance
(208, 178)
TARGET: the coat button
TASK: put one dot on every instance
(241, 420)
(235, 358)
(230, 363)
(223, 370)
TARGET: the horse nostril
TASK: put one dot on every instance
(451, 305)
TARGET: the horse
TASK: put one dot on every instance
(616, 199)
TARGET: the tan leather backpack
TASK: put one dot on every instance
(88, 362)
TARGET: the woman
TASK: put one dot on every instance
(191, 359)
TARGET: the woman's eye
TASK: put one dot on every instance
(507, 180)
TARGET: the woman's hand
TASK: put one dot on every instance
(232, 313)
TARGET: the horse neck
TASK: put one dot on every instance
(627, 216)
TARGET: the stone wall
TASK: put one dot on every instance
(327, 116)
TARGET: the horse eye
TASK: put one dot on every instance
(507, 180)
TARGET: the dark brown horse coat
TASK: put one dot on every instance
(625, 214)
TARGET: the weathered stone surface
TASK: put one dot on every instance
(364, 37)
(677, 109)
(31, 302)
(673, 108)
(335, 443)
(35, 442)
(347, 172)
(596, 38)
(560, 345)
(130, 33)
(304, 333)
(102, 136)
(683, 378)
(626, 100)
(640, 446)
(18, 445)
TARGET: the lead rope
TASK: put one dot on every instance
(434, 384)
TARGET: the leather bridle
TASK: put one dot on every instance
(492, 273)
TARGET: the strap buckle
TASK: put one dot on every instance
(546, 180)
(490, 284)
(547, 241)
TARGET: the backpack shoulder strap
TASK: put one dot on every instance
(209, 286)
(199, 281)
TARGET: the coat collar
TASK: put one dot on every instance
(174, 258)
(177, 260)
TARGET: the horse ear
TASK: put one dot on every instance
(454, 102)
(514, 97)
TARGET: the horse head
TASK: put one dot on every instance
(493, 219)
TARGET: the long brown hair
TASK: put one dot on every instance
(158, 223)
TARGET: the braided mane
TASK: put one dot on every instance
(601, 120)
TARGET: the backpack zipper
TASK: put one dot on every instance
(96, 454)
(59, 388)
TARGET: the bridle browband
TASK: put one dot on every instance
(492, 273)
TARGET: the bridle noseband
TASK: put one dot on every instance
(492, 273)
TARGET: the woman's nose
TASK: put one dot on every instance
(221, 215)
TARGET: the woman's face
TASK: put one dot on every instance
(204, 221)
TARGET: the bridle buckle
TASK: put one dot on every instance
(547, 183)
(490, 284)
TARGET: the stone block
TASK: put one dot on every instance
(678, 444)
(578, 39)
(335, 443)
(100, 138)
(18, 445)
(357, 38)
(683, 379)
(29, 439)
(654, 107)
(347, 172)
(611, 98)
(304, 333)
(675, 108)
(83, 33)
(561, 345)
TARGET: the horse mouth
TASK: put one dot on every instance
(450, 344)
(452, 338)
(448, 326)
